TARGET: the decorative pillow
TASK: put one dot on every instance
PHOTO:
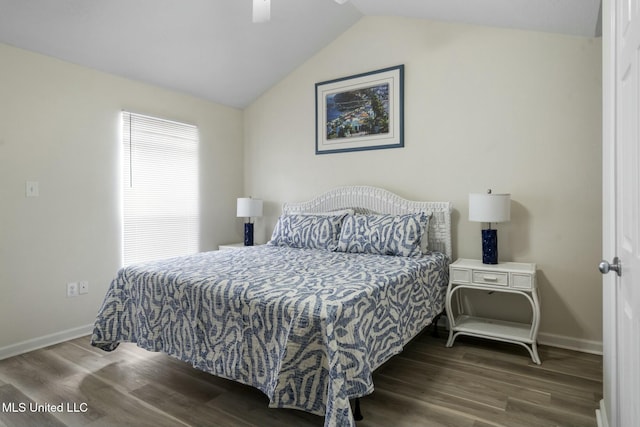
(307, 231)
(367, 234)
(397, 235)
(408, 232)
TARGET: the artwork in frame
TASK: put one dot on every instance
(361, 112)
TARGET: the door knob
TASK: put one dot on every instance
(605, 267)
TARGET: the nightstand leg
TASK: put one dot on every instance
(534, 354)
(535, 324)
(449, 313)
(452, 338)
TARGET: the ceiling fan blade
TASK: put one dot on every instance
(261, 10)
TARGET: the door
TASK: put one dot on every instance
(621, 213)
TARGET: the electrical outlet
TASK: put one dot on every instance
(83, 287)
(72, 289)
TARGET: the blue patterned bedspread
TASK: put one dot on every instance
(306, 327)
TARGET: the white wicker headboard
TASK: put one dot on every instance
(365, 199)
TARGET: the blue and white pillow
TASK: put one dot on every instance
(307, 231)
(367, 234)
(408, 232)
(396, 235)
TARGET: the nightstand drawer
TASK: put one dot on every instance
(460, 275)
(521, 281)
(495, 278)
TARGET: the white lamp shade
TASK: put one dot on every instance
(248, 207)
(489, 207)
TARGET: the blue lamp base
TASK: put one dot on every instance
(489, 246)
(248, 234)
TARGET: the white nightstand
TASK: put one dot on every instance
(512, 277)
(231, 246)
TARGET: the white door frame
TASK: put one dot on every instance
(607, 415)
(621, 220)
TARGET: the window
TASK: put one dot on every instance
(160, 188)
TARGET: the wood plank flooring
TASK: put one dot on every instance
(476, 383)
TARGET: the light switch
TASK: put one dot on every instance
(32, 189)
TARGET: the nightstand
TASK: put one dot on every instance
(510, 277)
(233, 246)
(230, 246)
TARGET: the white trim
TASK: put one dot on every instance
(609, 194)
(585, 346)
(552, 340)
(577, 344)
(601, 415)
(44, 341)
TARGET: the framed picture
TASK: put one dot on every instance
(361, 112)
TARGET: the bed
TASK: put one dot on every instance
(346, 281)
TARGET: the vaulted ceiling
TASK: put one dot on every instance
(211, 48)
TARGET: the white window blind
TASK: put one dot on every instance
(160, 188)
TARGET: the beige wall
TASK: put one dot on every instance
(514, 111)
(59, 125)
(519, 112)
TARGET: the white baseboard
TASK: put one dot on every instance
(553, 340)
(577, 344)
(586, 346)
(601, 415)
(44, 341)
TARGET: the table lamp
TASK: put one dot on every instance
(248, 208)
(489, 208)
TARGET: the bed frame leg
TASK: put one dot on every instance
(358, 413)
(434, 332)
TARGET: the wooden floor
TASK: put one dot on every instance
(476, 383)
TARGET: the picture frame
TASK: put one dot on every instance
(361, 112)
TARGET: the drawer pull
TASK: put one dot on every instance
(491, 278)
